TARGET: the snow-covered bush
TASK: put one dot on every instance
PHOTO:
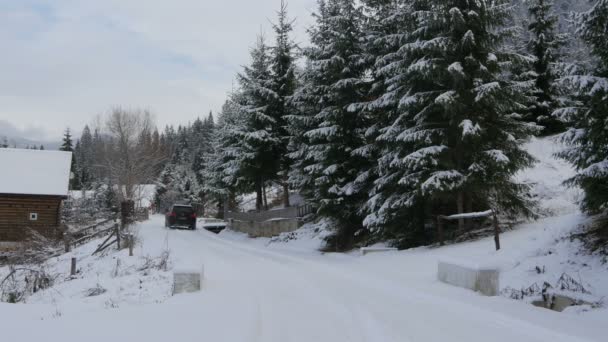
(22, 281)
(84, 208)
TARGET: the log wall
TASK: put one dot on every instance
(15, 213)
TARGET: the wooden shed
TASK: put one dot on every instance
(33, 185)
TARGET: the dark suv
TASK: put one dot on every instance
(181, 216)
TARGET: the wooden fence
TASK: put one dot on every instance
(469, 216)
(86, 234)
(284, 213)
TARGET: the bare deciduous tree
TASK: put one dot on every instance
(130, 160)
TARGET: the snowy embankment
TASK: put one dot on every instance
(284, 290)
(109, 279)
(533, 253)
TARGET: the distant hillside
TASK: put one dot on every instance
(19, 142)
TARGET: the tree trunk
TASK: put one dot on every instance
(496, 232)
(232, 205)
(226, 205)
(220, 210)
(265, 198)
(440, 230)
(286, 203)
(259, 200)
(202, 196)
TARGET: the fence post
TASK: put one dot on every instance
(130, 237)
(117, 232)
(496, 232)
(440, 230)
(73, 267)
(66, 242)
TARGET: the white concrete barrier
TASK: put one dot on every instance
(187, 281)
(483, 279)
(367, 250)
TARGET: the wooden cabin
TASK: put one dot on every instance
(33, 185)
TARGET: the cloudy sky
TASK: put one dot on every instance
(63, 62)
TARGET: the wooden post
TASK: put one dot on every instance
(440, 230)
(67, 241)
(286, 203)
(460, 208)
(127, 212)
(264, 196)
(117, 232)
(496, 232)
(130, 237)
(225, 208)
(73, 267)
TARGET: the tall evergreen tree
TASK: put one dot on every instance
(283, 84)
(306, 105)
(334, 89)
(545, 45)
(260, 139)
(209, 123)
(389, 27)
(68, 146)
(84, 152)
(588, 137)
(156, 141)
(222, 177)
(455, 145)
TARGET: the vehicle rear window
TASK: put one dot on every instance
(183, 210)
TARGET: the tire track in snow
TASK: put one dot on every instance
(372, 291)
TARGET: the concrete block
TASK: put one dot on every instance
(187, 281)
(483, 279)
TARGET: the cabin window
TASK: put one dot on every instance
(33, 216)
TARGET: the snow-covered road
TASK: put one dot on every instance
(255, 294)
(279, 296)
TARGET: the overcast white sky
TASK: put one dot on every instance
(62, 62)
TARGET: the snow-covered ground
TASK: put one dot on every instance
(284, 290)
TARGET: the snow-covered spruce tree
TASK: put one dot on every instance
(335, 86)
(388, 25)
(85, 158)
(67, 145)
(260, 138)
(545, 45)
(456, 143)
(588, 137)
(201, 133)
(222, 178)
(283, 84)
(305, 103)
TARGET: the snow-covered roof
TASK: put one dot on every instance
(34, 172)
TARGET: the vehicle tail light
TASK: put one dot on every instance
(193, 215)
(172, 214)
